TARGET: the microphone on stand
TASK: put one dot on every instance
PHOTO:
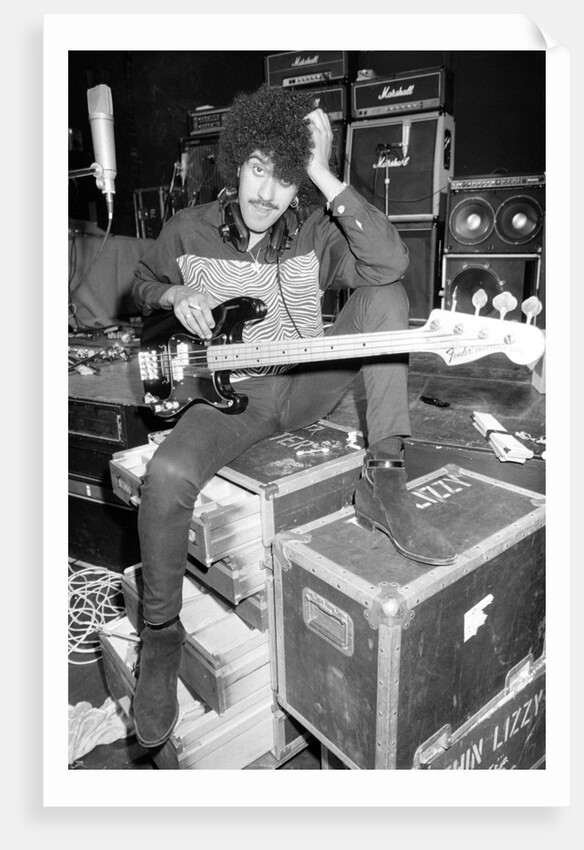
(184, 165)
(405, 143)
(101, 120)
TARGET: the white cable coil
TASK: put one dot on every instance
(94, 600)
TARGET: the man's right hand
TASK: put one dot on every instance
(192, 309)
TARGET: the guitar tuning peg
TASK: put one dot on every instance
(504, 303)
(532, 307)
(479, 299)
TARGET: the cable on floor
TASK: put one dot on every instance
(95, 598)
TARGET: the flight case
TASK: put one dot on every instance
(376, 652)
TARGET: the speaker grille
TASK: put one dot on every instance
(202, 179)
(463, 277)
(472, 221)
(468, 282)
(423, 241)
(519, 220)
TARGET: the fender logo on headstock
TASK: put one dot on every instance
(455, 355)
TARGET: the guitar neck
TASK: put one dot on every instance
(253, 355)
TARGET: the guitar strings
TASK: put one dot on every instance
(339, 344)
(335, 344)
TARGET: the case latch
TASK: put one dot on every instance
(518, 675)
(438, 743)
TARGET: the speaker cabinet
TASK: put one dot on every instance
(202, 180)
(421, 281)
(402, 164)
(499, 215)
(464, 276)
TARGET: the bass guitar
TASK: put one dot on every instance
(178, 369)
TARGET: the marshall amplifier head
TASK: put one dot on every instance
(206, 120)
(412, 91)
(306, 67)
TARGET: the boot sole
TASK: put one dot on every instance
(163, 738)
(371, 524)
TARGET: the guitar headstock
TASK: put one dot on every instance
(463, 337)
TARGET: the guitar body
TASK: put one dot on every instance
(173, 363)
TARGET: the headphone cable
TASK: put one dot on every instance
(281, 290)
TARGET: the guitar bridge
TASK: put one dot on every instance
(150, 365)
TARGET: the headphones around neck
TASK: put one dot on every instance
(233, 228)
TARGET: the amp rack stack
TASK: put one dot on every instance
(400, 156)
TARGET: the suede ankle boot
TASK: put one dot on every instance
(382, 501)
(155, 706)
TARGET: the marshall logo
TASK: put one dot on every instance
(389, 92)
(309, 60)
(387, 162)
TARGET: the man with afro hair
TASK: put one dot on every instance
(282, 230)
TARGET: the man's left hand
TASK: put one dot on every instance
(318, 169)
(322, 137)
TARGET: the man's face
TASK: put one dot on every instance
(262, 198)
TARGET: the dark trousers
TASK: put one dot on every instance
(206, 439)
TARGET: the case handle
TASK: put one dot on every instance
(328, 621)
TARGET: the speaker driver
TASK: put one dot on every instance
(470, 280)
(472, 221)
(519, 220)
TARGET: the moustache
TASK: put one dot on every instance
(264, 205)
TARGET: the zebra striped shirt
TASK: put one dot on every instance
(300, 293)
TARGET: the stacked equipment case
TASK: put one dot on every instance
(227, 680)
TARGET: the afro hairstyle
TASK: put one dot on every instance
(270, 120)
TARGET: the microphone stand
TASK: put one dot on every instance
(169, 201)
(95, 170)
(388, 150)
